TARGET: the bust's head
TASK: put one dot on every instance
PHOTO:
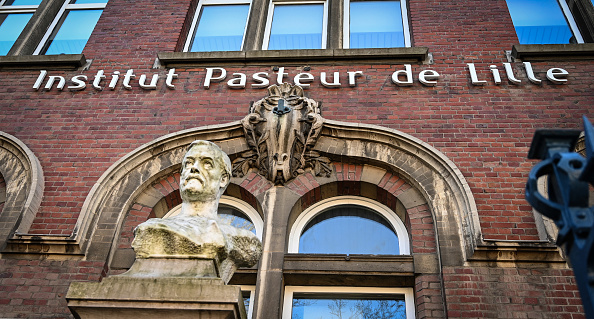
(205, 174)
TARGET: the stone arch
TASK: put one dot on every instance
(24, 184)
(2, 193)
(432, 178)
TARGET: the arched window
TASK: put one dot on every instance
(235, 212)
(349, 225)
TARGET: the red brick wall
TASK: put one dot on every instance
(485, 131)
(483, 292)
(37, 288)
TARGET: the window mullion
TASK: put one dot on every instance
(571, 21)
(50, 29)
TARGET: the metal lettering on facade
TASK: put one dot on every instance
(400, 77)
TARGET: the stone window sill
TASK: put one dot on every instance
(62, 61)
(365, 270)
(548, 52)
(341, 56)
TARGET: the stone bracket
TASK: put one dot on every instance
(514, 253)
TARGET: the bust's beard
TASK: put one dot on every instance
(194, 191)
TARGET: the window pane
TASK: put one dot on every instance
(348, 230)
(74, 32)
(22, 2)
(220, 28)
(87, 1)
(376, 24)
(231, 216)
(297, 27)
(306, 306)
(539, 22)
(11, 25)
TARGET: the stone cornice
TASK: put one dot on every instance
(340, 56)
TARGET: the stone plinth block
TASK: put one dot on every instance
(152, 297)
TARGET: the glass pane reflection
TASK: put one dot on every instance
(305, 32)
(73, 32)
(231, 216)
(220, 28)
(11, 26)
(349, 230)
(340, 306)
(539, 22)
(376, 24)
(22, 2)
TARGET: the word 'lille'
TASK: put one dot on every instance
(404, 77)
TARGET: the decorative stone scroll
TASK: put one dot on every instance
(281, 131)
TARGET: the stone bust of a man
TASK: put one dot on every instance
(205, 174)
(195, 233)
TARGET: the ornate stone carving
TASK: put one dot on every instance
(281, 131)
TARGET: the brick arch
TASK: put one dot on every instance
(374, 183)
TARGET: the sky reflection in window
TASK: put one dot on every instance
(344, 306)
(296, 27)
(11, 26)
(348, 230)
(220, 28)
(376, 24)
(74, 32)
(539, 22)
(231, 216)
(22, 2)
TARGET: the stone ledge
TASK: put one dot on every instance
(542, 52)
(321, 263)
(348, 270)
(339, 56)
(69, 61)
(42, 247)
(536, 254)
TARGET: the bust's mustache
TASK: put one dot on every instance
(194, 176)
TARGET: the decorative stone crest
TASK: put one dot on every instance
(281, 131)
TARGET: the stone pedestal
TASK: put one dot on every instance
(141, 297)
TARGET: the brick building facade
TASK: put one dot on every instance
(82, 165)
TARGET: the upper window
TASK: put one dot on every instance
(218, 25)
(14, 16)
(375, 24)
(286, 32)
(543, 22)
(349, 225)
(72, 27)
